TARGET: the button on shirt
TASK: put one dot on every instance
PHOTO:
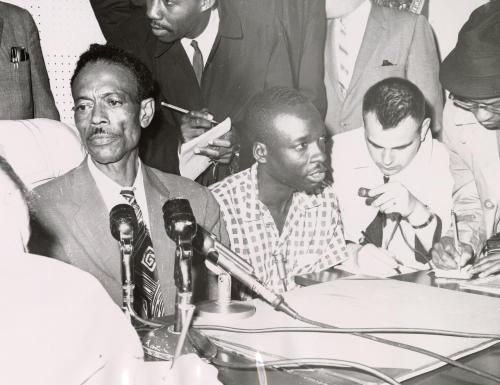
(312, 237)
(110, 190)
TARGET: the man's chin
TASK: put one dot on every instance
(163, 35)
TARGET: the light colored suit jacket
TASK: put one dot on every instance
(24, 89)
(475, 166)
(71, 223)
(395, 43)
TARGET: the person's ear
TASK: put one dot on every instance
(206, 5)
(147, 112)
(424, 128)
(260, 152)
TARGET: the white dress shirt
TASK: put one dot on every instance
(205, 40)
(110, 190)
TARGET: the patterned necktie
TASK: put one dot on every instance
(343, 75)
(197, 61)
(148, 300)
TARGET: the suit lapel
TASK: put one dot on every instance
(92, 223)
(174, 72)
(372, 38)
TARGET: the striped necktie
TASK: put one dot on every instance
(343, 69)
(197, 61)
(148, 299)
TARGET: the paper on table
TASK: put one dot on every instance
(488, 285)
(192, 165)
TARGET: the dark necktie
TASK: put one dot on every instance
(375, 230)
(148, 300)
(197, 61)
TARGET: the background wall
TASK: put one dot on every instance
(67, 27)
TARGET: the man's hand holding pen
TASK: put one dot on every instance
(196, 123)
(447, 256)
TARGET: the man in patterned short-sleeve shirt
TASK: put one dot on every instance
(280, 214)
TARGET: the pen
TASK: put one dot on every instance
(455, 237)
(183, 110)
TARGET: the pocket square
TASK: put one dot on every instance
(386, 63)
(18, 54)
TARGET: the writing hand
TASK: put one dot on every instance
(446, 256)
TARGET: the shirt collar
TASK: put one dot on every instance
(207, 38)
(109, 189)
(254, 206)
(358, 17)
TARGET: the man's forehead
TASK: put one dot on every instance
(101, 72)
(402, 134)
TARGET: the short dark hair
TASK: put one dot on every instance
(265, 106)
(107, 53)
(393, 100)
(11, 174)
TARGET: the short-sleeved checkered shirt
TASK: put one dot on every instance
(312, 238)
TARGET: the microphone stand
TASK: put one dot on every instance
(162, 343)
(126, 250)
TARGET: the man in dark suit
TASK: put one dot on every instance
(245, 47)
(24, 83)
(367, 43)
(112, 94)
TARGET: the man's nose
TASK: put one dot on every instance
(98, 114)
(318, 153)
(387, 156)
(154, 7)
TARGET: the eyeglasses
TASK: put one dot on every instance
(472, 106)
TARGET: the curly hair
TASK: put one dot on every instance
(107, 53)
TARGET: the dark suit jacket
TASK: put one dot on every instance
(25, 89)
(253, 51)
(71, 223)
(395, 43)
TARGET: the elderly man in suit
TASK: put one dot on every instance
(210, 57)
(471, 73)
(24, 84)
(113, 104)
(366, 43)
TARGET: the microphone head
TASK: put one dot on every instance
(179, 219)
(123, 221)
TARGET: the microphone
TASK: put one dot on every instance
(207, 244)
(180, 223)
(123, 223)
